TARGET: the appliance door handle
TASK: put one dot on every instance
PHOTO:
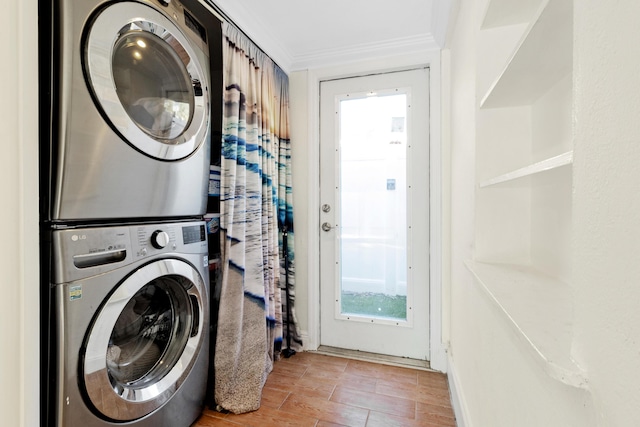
(195, 310)
(101, 258)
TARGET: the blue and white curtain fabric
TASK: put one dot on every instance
(255, 202)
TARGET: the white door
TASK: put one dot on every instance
(374, 213)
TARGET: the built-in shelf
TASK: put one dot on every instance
(508, 12)
(539, 309)
(542, 57)
(542, 166)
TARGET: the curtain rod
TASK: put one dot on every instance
(222, 16)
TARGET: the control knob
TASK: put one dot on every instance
(159, 239)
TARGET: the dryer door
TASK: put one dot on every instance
(144, 340)
(148, 80)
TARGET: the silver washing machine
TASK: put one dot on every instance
(131, 111)
(131, 320)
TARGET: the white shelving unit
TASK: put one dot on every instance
(524, 216)
(544, 56)
(511, 288)
(508, 12)
(564, 159)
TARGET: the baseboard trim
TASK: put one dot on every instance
(306, 341)
(460, 408)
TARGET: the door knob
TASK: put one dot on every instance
(326, 226)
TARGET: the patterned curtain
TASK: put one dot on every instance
(255, 216)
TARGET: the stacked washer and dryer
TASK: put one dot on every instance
(127, 294)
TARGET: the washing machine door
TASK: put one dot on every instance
(148, 80)
(144, 340)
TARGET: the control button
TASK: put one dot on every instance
(159, 239)
(165, 2)
(143, 251)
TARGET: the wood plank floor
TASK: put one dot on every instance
(315, 390)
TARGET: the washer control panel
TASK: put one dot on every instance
(82, 252)
(159, 239)
(188, 237)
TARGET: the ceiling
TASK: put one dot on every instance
(302, 34)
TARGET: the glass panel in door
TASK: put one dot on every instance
(373, 215)
(153, 84)
(150, 333)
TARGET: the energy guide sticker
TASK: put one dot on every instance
(75, 292)
(214, 181)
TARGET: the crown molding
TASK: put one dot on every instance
(415, 45)
(440, 19)
(242, 17)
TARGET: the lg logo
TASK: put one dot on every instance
(76, 237)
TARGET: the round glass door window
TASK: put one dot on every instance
(150, 334)
(153, 84)
(145, 340)
(148, 79)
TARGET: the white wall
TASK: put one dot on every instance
(606, 208)
(19, 314)
(496, 379)
(304, 186)
(461, 95)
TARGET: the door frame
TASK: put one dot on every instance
(437, 349)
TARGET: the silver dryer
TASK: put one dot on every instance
(131, 111)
